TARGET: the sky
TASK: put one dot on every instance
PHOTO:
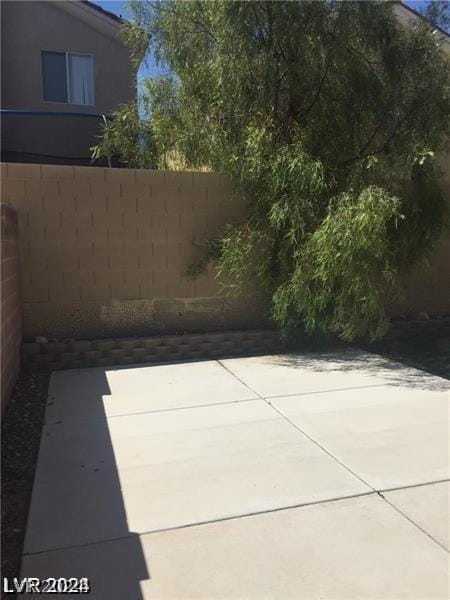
(114, 6)
(118, 7)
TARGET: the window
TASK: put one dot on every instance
(68, 77)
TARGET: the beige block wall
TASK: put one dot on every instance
(427, 289)
(11, 321)
(105, 251)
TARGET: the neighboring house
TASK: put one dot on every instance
(64, 58)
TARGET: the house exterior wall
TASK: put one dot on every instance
(30, 27)
(11, 320)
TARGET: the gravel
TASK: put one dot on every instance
(21, 433)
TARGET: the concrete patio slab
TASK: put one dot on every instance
(428, 506)
(305, 373)
(389, 436)
(182, 481)
(100, 479)
(86, 393)
(359, 548)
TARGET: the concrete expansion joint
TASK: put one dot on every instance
(206, 522)
(369, 492)
(324, 449)
(415, 485)
(416, 525)
(373, 490)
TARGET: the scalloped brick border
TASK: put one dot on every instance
(71, 354)
(410, 328)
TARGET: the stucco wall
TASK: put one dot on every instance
(104, 251)
(11, 321)
(27, 29)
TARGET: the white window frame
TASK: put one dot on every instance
(67, 54)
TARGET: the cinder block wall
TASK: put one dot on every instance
(11, 321)
(104, 252)
(427, 288)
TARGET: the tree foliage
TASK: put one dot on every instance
(438, 13)
(329, 117)
(127, 139)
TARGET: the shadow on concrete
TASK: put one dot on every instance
(77, 525)
(347, 360)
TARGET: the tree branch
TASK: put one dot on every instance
(317, 94)
(361, 154)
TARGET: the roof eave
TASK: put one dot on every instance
(95, 17)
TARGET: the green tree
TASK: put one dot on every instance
(328, 116)
(127, 139)
(438, 13)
